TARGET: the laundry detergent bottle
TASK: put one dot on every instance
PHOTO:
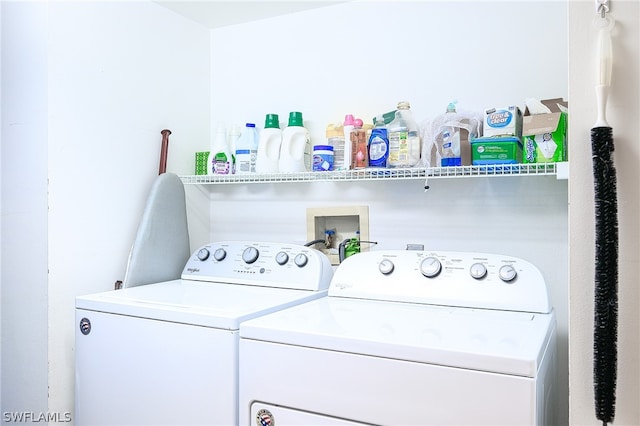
(295, 152)
(269, 144)
(220, 157)
(247, 149)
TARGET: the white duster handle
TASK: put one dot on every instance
(604, 64)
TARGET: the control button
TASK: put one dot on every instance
(282, 258)
(507, 273)
(478, 271)
(301, 260)
(250, 254)
(386, 267)
(430, 267)
(219, 254)
(203, 254)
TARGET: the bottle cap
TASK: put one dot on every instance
(349, 120)
(295, 119)
(404, 105)
(452, 106)
(358, 123)
(250, 125)
(271, 122)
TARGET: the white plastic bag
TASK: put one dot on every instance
(431, 128)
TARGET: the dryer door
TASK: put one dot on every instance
(266, 415)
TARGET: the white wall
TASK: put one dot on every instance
(86, 92)
(622, 113)
(24, 208)
(1, 211)
(332, 61)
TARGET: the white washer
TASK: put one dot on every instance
(408, 338)
(167, 353)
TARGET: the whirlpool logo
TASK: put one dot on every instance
(499, 119)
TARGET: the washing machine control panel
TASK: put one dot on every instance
(473, 280)
(260, 263)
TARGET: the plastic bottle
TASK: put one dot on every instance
(322, 158)
(234, 135)
(360, 157)
(379, 144)
(247, 149)
(269, 144)
(295, 152)
(349, 123)
(220, 158)
(404, 138)
(449, 138)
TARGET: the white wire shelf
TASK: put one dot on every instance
(494, 170)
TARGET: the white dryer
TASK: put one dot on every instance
(407, 338)
(167, 353)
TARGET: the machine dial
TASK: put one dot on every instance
(430, 267)
(386, 267)
(301, 260)
(282, 258)
(507, 273)
(219, 254)
(203, 254)
(478, 271)
(250, 254)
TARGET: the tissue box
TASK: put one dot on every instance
(502, 122)
(545, 135)
(496, 150)
(201, 162)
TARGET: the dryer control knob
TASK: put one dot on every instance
(301, 260)
(507, 273)
(386, 267)
(250, 254)
(219, 254)
(203, 254)
(282, 258)
(430, 267)
(478, 271)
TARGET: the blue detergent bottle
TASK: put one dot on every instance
(379, 144)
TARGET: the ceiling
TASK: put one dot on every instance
(220, 13)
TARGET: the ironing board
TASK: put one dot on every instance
(161, 248)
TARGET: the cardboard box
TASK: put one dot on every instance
(496, 150)
(545, 135)
(502, 122)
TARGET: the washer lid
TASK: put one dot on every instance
(208, 304)
(487, 340)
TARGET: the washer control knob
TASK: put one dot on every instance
(430, 267)
(301, 260)
(507, 273)
(203, 254)
(219, 254)
(478, 271)
(282, 258)
(386, 267)
(250, 255)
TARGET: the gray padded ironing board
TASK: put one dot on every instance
(161, 248)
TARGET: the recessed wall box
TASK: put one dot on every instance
(346, 221)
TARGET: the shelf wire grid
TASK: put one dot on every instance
(493, 170)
